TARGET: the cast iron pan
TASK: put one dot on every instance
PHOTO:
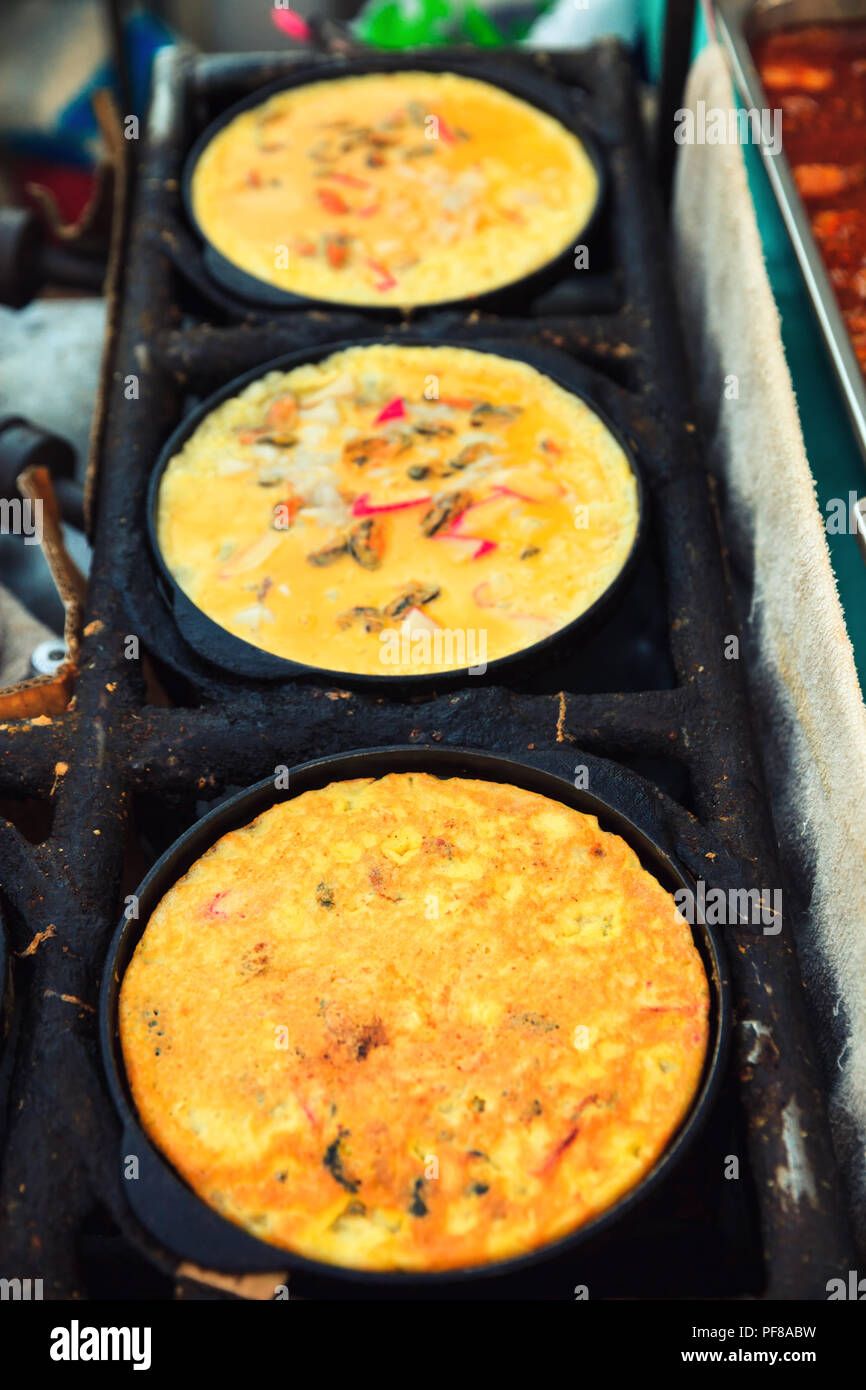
(241, 658)
(537, 91)
(159, 1196)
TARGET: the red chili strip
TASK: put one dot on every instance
(394, 410)
(350, 180)
(361, 505)
(387, 281)
(331, 201)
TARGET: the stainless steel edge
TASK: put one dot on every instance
(860, 522)
(738, 23)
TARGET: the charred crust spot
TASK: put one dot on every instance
(435, 844)
(417, 1206)
(538, 1023)
(255, 961)
(333, 1161)
(373, 1035)
(356, 1038)
(382, 879)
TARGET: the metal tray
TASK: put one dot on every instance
(740, 23)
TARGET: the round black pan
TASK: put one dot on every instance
(223, 649)
(534, 89)
(159, 1196)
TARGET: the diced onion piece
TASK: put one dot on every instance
(341, 385)
(416, 620)
(325, 411)
(526, 484)
(252, 555)
(255, 614)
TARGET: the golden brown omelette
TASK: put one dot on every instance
(416, 1024)
(398, 188)
(398, 510)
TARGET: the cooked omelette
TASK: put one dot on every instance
(399, 188)
(395, 510)
(412, 1023)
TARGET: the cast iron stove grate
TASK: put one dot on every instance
(653, 694)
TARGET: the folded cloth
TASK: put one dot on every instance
(803, 683)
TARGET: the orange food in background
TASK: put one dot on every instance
(817, 74)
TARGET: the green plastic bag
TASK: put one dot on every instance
(420, 23)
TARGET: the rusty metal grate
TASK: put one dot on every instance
(652, 707)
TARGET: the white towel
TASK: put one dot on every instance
(800, 663)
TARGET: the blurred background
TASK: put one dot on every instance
(55, 53)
